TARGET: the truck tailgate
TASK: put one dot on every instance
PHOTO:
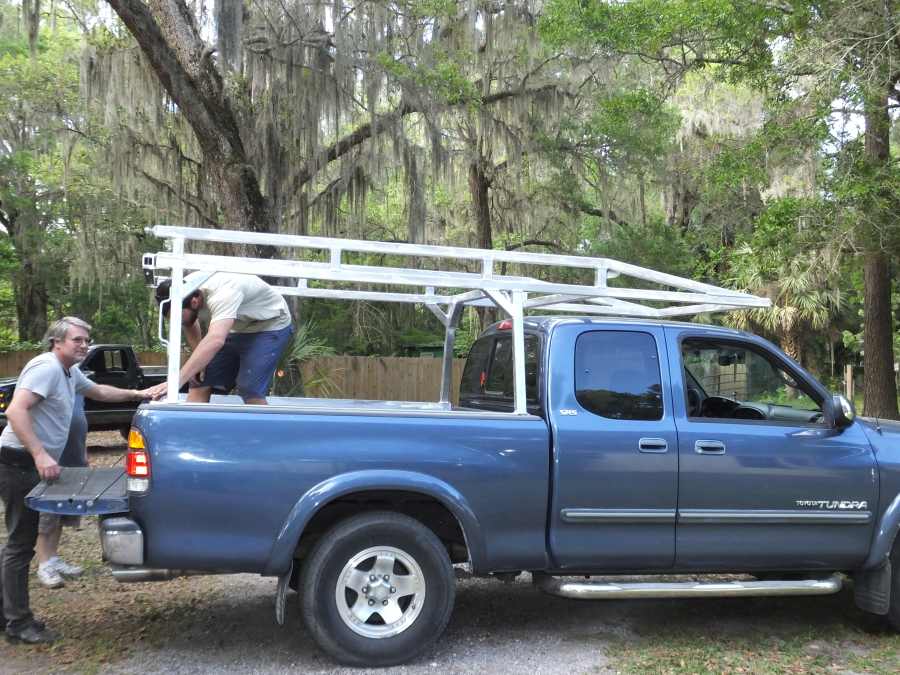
(82, 491)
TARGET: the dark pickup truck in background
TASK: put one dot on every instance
(116, 365)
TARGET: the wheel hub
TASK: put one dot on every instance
(379, 592)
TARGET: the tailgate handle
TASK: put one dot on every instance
(653, 445)
(709, 448)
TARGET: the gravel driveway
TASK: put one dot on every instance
(226, 625)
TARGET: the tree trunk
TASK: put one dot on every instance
(31, 300)
(682, 201)
(879, 386)
(479, 186)
(170, 41)
(29, 286)
(792, 344)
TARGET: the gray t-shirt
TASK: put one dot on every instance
(45, 376)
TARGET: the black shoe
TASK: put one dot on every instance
(35, 633)
(39, 624)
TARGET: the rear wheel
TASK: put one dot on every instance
(377, 590)
(893, 615)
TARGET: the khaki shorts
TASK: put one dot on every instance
(49, 522)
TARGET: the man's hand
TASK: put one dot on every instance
(46, 466)
(156, 392)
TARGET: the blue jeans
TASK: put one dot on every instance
(247, 361)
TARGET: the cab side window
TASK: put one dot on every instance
(734, 381)
(617, 375)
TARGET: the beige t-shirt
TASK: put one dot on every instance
(247, 299)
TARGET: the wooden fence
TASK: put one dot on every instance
(386, 378)
(12, 362)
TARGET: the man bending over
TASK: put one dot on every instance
(249, 328)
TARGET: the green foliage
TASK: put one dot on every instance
(630, 129)
(78, 235)
(305, 345)
(787, 259)
(655, 245)
(443, 75)
(47, 84)
(691, 33)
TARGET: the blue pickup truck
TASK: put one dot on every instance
(648, 448)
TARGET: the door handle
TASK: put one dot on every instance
(657, 445)
(709, 448)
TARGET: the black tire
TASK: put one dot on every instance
(294, 581)
(423, 614)
(893, 615)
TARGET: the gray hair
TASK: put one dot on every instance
(59, 328)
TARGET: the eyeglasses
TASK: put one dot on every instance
(82, 341)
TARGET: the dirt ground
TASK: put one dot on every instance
(226, 624)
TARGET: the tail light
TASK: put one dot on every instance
(137, 463)
(506, 324)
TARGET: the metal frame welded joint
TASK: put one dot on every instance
(513, 304)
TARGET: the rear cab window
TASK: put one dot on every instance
(114, 360)
(488, 377)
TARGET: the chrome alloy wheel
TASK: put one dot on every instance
(380, 592)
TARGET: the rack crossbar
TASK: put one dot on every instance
(412, 277)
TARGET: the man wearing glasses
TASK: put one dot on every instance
(30, 446)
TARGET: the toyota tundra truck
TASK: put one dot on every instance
(584, 450)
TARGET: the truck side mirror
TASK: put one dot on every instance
(842, 411)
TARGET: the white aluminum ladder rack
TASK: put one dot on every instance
(515, 295)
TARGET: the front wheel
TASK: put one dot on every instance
(377, 590)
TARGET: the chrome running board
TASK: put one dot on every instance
(603, 590)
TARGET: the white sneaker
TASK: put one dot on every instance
(49, 577)
(68, 570)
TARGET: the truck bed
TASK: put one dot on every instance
(236, 492)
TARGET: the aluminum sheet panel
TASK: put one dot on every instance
(82, 491)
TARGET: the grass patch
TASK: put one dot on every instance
(756, 647)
